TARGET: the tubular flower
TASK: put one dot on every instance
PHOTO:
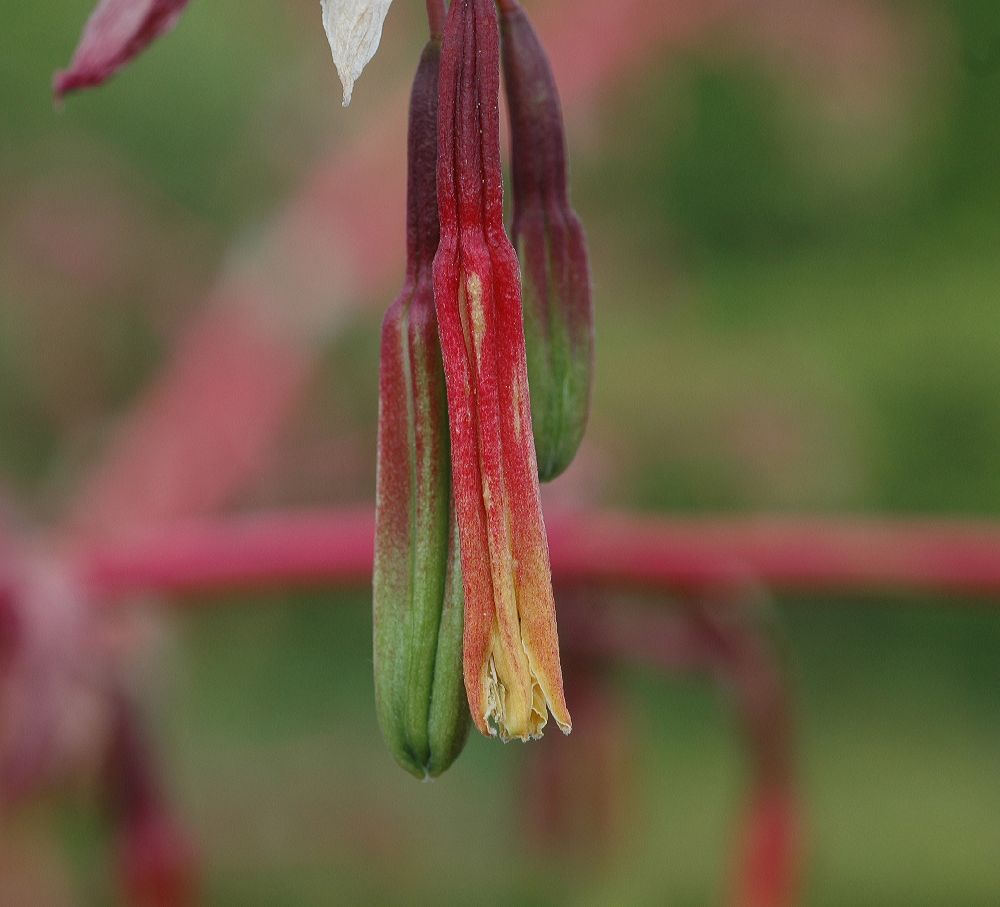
(511, 650)
(417, 581)
(353, 28)
(550, 243)
(117, 31)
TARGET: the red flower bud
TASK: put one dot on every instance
(117, 31)
(511, 649)
(548, 236)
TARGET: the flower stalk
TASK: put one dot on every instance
(512, 672)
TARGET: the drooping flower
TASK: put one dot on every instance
(117, 31)
(550, 243)
(419, 695)
(511, 650)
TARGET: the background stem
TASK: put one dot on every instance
(850, 557)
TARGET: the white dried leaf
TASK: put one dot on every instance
(353, 28)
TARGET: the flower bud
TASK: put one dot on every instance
(511, 649)
(558, 312)
(417, 581)
(117, 31)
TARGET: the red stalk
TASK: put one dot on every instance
(816, 557)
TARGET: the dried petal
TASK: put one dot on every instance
(353, 28)
(117, 31)
(511, 650)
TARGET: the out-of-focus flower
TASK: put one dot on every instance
(511, 649)
(53, 681)
(577, 792)
(117, 31)
(354, 28)
(419, 694)
(157, 863)
(548, 236)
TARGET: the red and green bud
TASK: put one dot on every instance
(512, 672)
(417, 580)
(550, 243)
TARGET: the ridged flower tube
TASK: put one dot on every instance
(417, 588)
(552, 248)
(512, 672)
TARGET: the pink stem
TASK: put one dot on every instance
(676, 555)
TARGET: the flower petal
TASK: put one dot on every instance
(353, 28)
(117, 31)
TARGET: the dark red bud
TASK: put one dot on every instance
(548, 236)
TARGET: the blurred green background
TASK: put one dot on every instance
(795, 229)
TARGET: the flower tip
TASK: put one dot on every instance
(64, 82)
(58, 91)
